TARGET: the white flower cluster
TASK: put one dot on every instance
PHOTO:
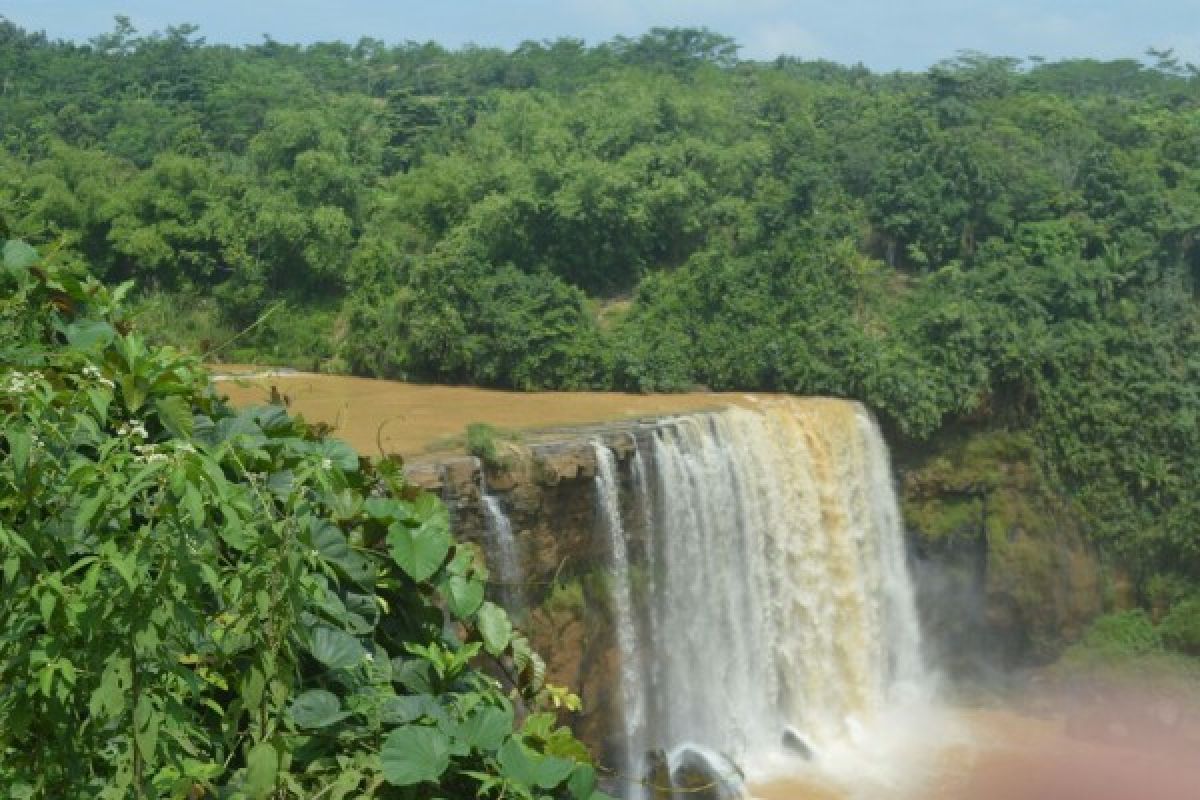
(20, 382)
(92, 372)
(132, 428)
(148, 454)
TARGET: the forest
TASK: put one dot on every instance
(992, 244)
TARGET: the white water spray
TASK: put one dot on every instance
(503, 550)
(633, 693)
(780, 598)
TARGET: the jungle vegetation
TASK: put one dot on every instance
(994, 243)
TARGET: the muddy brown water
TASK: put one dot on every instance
(410, 419)
(1009, 755)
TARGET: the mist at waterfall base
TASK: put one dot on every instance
(764, 616)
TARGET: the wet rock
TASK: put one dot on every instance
(563, 461)
(796, 744)
(706, 775)
(658, 776)
(426, 475)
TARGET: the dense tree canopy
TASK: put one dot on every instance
(989, 243)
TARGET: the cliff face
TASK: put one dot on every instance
(1005, 574)
(547, 490)
(1003, 571)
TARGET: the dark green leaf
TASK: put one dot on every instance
(262, 770)
(18, 255)
(485, 728)
(464, 596)
(495, 628)
(335, 649)
(401, 709)
(317, 708)
(175, 414)
(87, 334)
(420, 551)
(414, 754)
(582, 782)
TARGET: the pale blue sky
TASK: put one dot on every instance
(884, 34)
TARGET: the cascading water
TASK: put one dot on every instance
(778, 597)
(505, 556)
(633, 693)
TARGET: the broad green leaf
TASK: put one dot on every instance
(550, 771)
(175, 414)
(426, 507)
(339, 454)
(413, 674)
(262, 770)
(346, 785)
(87, 511)
(515, 763)
(495, 628)
(387, 509)
(485, 728)
(336, 649)
(87, 334)
(402, 709)
(146, 722)
(520, 764)
(46, 604)
(193, 503)
(419, 551)
(100, 400)
(331, 543)
(19, 445)
(464, 595)
(582, 782)
(109, 699)
(414, 754)
(317, 708)
(18, 255)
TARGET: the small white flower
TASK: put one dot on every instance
(314, 553)
(326, 464)
(369, 657)
(105, 382)
(91, 371)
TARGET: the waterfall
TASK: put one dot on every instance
(632, 689)
(778, 598)
(504, 555)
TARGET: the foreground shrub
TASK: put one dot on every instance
(197, 602)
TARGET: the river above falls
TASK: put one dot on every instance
(411, 419)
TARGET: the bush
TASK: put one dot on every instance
(198, 602)
(482, 443)
(1117, 636)
(1180, 628)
